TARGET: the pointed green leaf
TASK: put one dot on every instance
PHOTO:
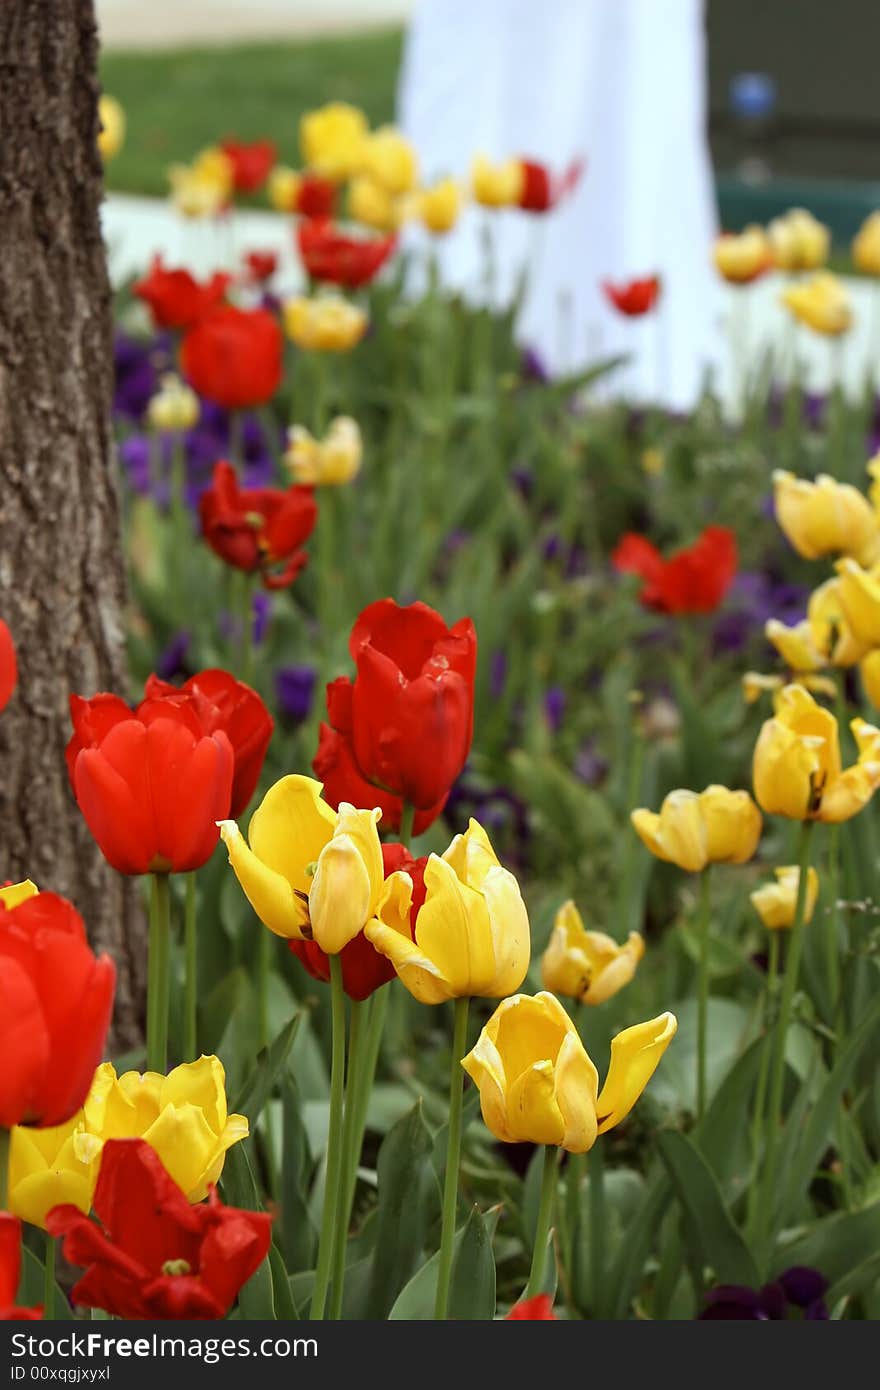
(258, 1087)
(713, 1239)
(472, 1290)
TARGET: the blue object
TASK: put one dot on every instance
(752, 95)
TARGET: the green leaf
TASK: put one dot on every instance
(836, 1245)
(258, 1087)
(298, 1235)
(674, 1084)
(625, 1273)
(32, 1286)
(472, 1290)
(709, 1231)
(406, 1180)
(415, 1302)
(256, 1300)
(285, 1308)
(237, 1183)
(722, 1134)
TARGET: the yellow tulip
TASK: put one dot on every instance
(795, 645)
(283, 188)
(182, 1116)
(798, 241)
(866, 246)
(755, 684)
(52, 1166)
(205, 187)
(331, 139)
(175, 405)
(387, 157)
(538, 1085)
(823, 638)
(587, 965)
(715, 827)
(742, 256)
(326, 323)
(859, 591)
(370, 202)
(111, 136)
(653, 462)
(775, 902)
(439, 206)
(496, 185)
(797, 770)
(14, 893)
(326, 462)
(825, 517)
(472, 932)
(311, 873)
(870, 673)
(822, 303)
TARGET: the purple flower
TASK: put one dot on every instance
(554, 707)
(497, 674)
(261, 605)
(294, 690)
(173, 658)
(590, 765)
(137, 365)
(754, 597)
(532, 366)
(799, 1288)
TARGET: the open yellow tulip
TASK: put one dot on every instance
(775, 902)
(822, 303)
(324, 323)
(326, 462)
(587, 965)
(797, 770)
(472, 931)
(823, 638)
(825, 517)
(49, 1167)
(538, 1085)
(717, 826)
(387, 157)
(331, 139)
(860, 600)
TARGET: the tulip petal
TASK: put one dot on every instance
(290, 827)
(577, 1085)
(635, 1054)
(533, 1113)
(268, 892)
(454, 931)
(484, 1066)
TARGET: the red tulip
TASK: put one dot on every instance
(175, 298)
(537, 1309)
(154, 1255)
(8, 665)
(10, 1269)
(635, 298)
(693, 580)
(257, 528)
(364, 970)
(57, 998)
(329, 255)
(222, 702)
(316, 196)
(541, 191)
(234, 357)
(150, 783)
(261, 265)
(250, 163)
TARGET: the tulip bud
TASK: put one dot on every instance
(496, 185)
(439, 207)
(740, 258)
(775, 902)
(175, 407)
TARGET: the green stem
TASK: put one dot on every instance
(159, 983)
(542, 1229)
(453, 1157)
(5, 1138)
(246, 618)
(761, 1089)
(191, 972)
(597, 1225)
(264, 970)
(703, 992)
(832, 925)
(407, 817)
(334, 1143)
(49, 1279)
(350, 1151)
(777, 1066)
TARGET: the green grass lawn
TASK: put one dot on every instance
(179, 100)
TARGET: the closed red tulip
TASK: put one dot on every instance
(316, 196)
(634, 298)
(222, 702)
(542, 190)
(537, 1309)
(328, 254)
(56, 999)
(364, 970)
(154, 1255)
(251, 163)
(177, 299)
(10, 1271)
(692, 580)
(8, 665)
(258, 529)
(234, 357)
(150, 782)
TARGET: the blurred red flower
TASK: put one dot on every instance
(364, 970)
(175, 298)
(261, 265)
(234, 357)
(634, 298)
(328, 254)
(250, 163)
(316, 196)
(10, 1270)
(8, 665)
(150, 783)
(257, 528)
(537, 1309)
(57, 1002)
(154, 1255)
(541, 190)
(692, 580)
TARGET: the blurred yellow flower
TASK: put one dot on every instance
(52, 1166)
(821, 639)
(653, 462)
(283, 188)
(775, 902)
(111, 136)
(822, 303)
(203, 188)
(324, 323)
(755, 684)
(387, 157)
(866, 246)
(869, 671)
(825, 517)
(324, 462)
(798, 241)
(797, 769)
(472, 931)
(587, 965)
(370, 202)
(331, 139)
(438, 208)
(717, 826)
(859, 590)
(175, 405)
(537, 1083)
(496, 185)
(742, 256)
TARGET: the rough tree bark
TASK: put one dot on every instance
(61, 563)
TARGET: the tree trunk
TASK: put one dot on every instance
(62, 578)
